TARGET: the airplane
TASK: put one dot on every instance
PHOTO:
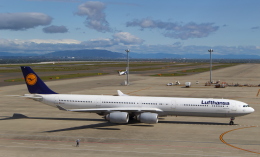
(122, 72)
(119, 109)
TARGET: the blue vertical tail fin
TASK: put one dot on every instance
(34, 84)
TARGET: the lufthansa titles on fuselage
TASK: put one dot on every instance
(215, 102)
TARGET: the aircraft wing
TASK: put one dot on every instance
(123, 109)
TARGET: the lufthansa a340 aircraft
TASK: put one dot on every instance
(118, 109)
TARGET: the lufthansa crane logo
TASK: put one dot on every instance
(31, 79)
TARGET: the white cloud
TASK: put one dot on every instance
(41, 41)
(127, 38)
(53, 41)
(99, 43)
(174, 29)
(118, 43)
(147, 23)
(23, 21)
(121, 39)
(96, 18)
(39, 45)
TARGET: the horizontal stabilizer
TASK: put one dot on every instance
(30, 96)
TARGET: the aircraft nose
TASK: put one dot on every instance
(251, 110)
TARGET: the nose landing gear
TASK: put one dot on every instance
(231, 121)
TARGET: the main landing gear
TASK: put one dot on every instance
(231, 121)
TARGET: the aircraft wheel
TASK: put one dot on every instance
(231, 123)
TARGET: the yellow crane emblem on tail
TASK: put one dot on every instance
(31, 79)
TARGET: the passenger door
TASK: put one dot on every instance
(233, 106)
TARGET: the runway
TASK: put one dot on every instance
(29, 128)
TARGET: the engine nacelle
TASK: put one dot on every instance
(148, 117)
(117, 117)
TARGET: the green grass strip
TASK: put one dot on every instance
(57, 77)
(199, 70)
(169, 74)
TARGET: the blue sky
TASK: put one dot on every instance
(143, 26)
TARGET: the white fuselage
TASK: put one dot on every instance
(203, 107)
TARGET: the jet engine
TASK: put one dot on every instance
(148, 117)
(117, 117)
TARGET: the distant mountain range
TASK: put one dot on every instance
(8, 54)
(104, 54)
(88, 54)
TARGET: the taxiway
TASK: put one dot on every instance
(29, 128)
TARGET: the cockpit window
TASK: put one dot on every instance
(245, 105)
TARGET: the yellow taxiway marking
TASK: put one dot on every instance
(258, 92)
(222, 140)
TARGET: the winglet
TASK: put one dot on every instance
(121, 93)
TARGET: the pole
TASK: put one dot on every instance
(127, 74)
(210, 65)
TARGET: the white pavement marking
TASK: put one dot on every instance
(224, 152)
(40, 144)
(168, 149)
(64, 144)
(140, 148)
(195, 151)
(17, 143)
